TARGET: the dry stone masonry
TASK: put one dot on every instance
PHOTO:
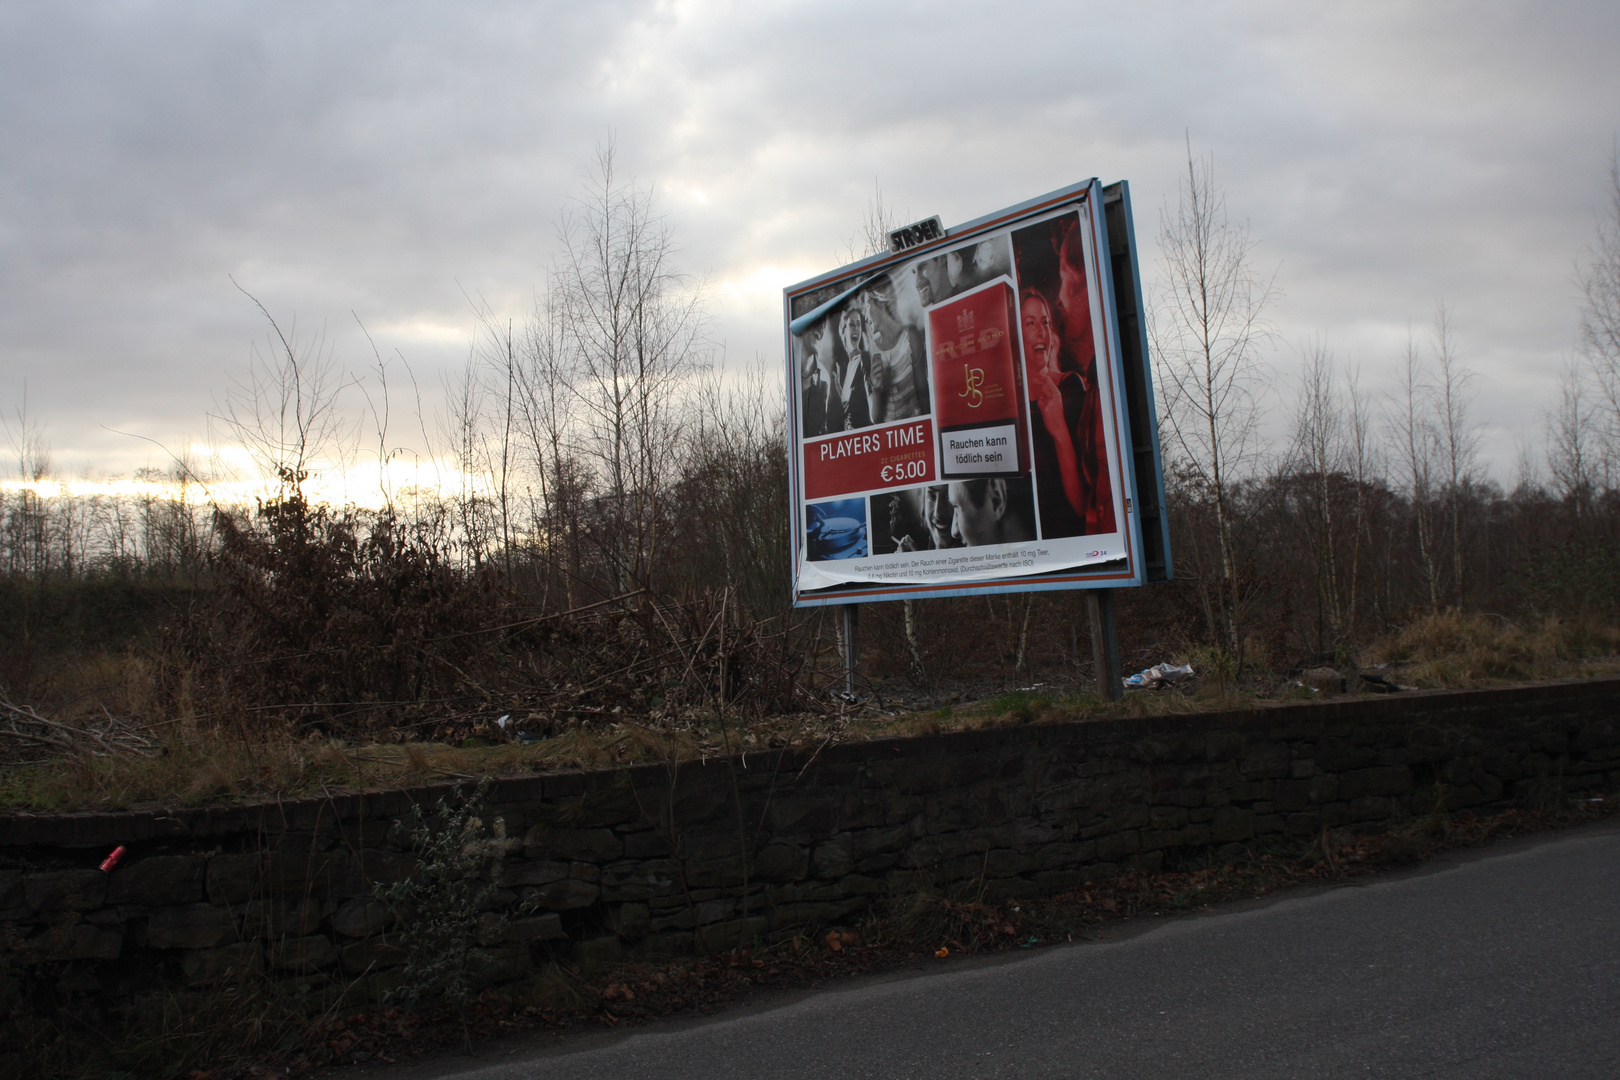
(590, 866)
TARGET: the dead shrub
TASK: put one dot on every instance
(360, 624)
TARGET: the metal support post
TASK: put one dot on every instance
(852, 653)
(1105, 644)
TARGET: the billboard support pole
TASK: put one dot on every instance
(852, 619)
(1105, 644)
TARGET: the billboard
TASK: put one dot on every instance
(974, 413)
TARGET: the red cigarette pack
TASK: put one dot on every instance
(980, 410)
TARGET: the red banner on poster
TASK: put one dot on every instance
(901, 455)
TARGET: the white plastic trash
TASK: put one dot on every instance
(1159, 675)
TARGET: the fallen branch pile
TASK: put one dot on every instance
(27, 737)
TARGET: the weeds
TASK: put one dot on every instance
(440, 908)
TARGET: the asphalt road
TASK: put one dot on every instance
(1506, 965)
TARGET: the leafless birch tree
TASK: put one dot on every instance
(1317, 457)
(634, 328)
(1207, 325)
(1573, 454)
(545, 409)
(1599, 277)
(1333, 448)
(1416, 444)
(23, 515)
(1459, 436)
(1364, 464)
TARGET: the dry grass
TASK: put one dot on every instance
(202, 761)
(200, 764)
(1452, 650)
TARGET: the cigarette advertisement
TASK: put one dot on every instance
(957, 415)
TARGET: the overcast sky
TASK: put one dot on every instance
(389, 160)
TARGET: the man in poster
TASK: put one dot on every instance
(991, 511)
(816, 385)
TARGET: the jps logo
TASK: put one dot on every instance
(973, 378)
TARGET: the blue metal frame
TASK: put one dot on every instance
(1155, 479)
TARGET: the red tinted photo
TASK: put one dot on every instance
(1072, 487)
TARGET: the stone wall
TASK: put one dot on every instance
(652, 858)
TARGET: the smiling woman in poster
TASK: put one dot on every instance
(1060, 373)
(899, 367)
(850, 361)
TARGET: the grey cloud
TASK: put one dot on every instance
(329, 157)
(384, 158)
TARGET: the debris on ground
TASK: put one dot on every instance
(1379, 682)
(1159, 675)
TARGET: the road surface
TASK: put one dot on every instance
(1477, 967)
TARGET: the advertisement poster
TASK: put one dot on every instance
(956, 415)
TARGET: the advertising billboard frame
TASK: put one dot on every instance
(1134, 436)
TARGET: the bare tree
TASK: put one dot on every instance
(736, 470)
(463, 427)
(498, 367)
(634, 326)
(1333, 447)
(1363, 461)
(545, 393)
(1416, 441)
(379, 404)
(1317, 457)
(1598, 274)
(1459, 437)
(285, 409)
(1573, 456)
(1599, 277)
(878, 221)
(27, 521)
(1207, 325)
